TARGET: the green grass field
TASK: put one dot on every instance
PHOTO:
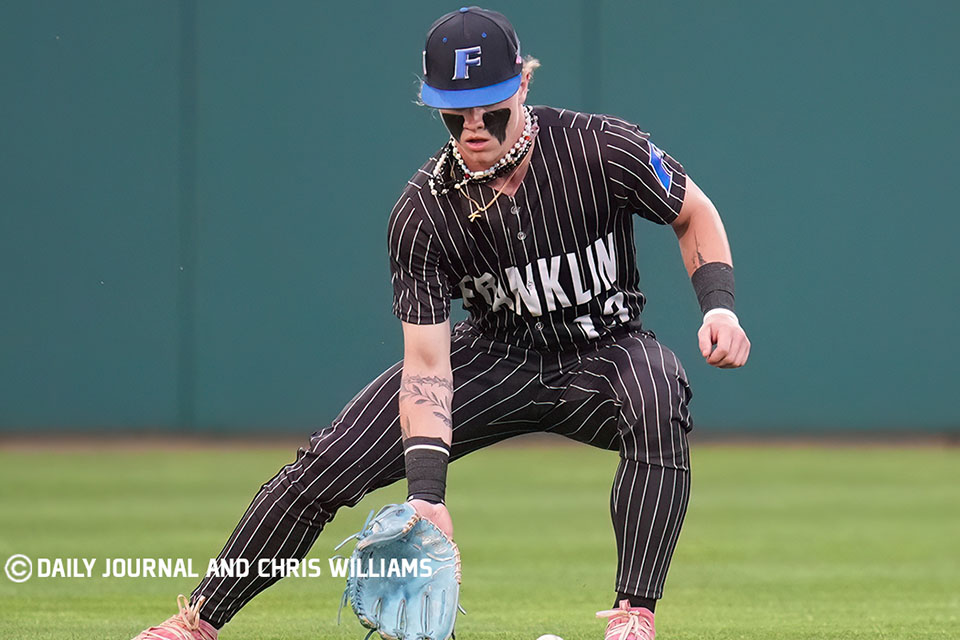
(779, 542)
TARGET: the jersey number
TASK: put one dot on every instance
(614, 306)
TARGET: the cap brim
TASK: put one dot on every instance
(467, 98)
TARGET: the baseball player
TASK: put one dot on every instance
(526, 215)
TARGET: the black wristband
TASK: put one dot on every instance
(426, 462)
(713, 283)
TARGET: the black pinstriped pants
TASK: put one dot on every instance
(626, 393)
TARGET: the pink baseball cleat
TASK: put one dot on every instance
(628, 623)
(186, 625)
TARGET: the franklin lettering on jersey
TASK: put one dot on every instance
(553, 272)
(555, 265)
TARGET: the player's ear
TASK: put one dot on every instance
(524, 87)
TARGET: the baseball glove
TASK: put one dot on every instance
(404, 579)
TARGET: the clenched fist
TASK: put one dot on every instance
(723, 341)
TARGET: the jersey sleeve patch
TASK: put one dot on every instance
(664, 175)
(644, 177)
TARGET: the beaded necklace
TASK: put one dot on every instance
(451, 173)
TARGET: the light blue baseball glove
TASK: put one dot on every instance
(404, 580)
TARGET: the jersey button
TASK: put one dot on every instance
(515, 210)
(521, 236)
(538, 326)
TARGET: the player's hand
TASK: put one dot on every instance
(723, 342)
(435, 513)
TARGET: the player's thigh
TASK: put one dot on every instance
(358, 451)
(656, 396)
(371, 417)
(497, 392)
(362, 448)
(631, 395)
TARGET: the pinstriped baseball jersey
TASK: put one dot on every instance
(553, 344)
(552, 266)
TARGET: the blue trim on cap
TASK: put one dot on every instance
(467, 98)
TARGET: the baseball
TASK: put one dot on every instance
(549, 636)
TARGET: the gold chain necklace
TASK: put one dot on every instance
(475, 213)
(482, 208)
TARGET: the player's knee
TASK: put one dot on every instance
(656, 440)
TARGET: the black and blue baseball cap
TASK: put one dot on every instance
(471, 59)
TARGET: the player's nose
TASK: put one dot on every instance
(473, 118)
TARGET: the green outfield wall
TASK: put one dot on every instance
(194, 195)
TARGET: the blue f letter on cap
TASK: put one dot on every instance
(465, 58)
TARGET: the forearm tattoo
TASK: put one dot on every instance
(700, 259)
(436, 392)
